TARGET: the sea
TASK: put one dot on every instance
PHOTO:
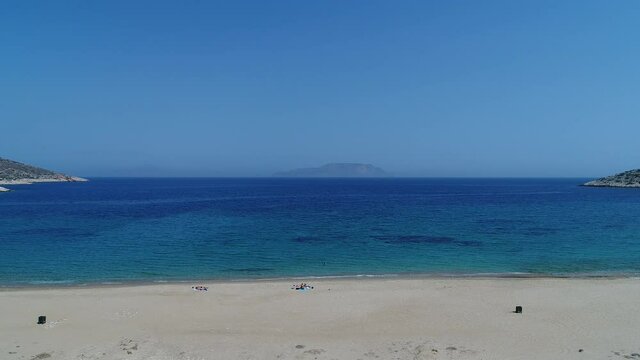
(128, 230)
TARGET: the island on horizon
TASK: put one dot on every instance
(336, 170)
(16, 173)
(627, 179)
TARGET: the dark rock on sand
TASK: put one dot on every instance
(41, 356)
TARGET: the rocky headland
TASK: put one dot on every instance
(16, 173)
(627, 179)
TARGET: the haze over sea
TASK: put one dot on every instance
(121, 230)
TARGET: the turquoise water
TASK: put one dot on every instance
(119, 230)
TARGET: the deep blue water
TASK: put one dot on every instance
(172, 229)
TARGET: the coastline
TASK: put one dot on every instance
(43, 180)
(628, 179)
(613, 186)
(69, 284)
(436, 318)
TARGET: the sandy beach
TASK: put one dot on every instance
(422, 318)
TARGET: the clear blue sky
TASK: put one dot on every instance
(243, 88)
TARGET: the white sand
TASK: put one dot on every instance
(339, 319)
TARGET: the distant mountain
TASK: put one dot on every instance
(627, 179)
(336, 170)
(13, 172)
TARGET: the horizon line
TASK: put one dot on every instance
(335, 177)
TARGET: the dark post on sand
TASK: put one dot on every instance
(42, 319)
(518, 310)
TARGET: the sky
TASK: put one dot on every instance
(248, 88)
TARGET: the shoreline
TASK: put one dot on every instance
(26, 181)
(54, 285)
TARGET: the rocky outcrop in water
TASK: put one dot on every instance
(627, 179)
(13, 173)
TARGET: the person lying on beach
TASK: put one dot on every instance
(302, 286)
(200, 288)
